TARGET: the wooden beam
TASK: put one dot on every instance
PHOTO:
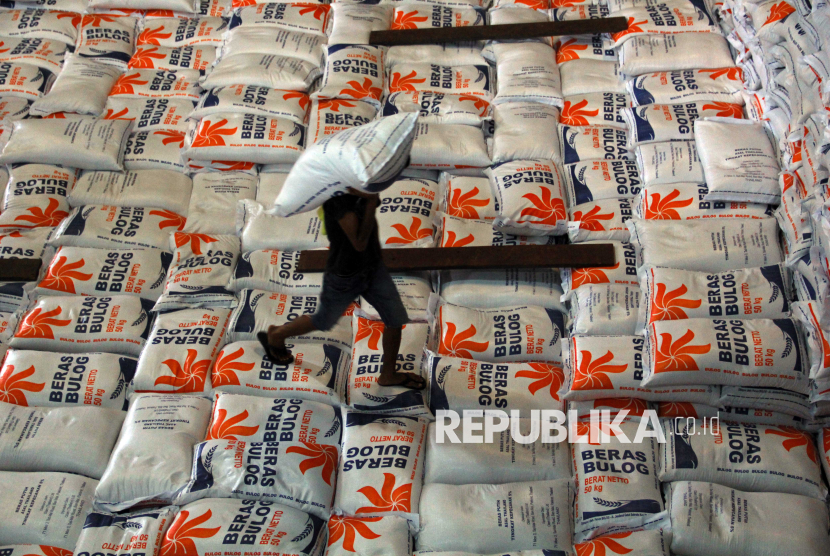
(19, 270)
(513, 31)
(477, 258)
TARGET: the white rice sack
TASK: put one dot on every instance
(580, 144)
(501, 461)
(595, 109)
(665, 19)
(356, 157)
(505, 15)
(656, 123)
(33, 23)
(259, 230)
(672, 294)
(767, 399)
(414, 291)
(417, 16)
(8, 324)
(794, 220)
(566, 12)
(530, 197)
(65, 439)
(275, 271)
(84, 142)
(353, 72)
(261, 70)
(257, 310)
(594, 47)
(139, 530)
(739, 162)
(598, 220)
(186, 6)
(448, 147)
(715, 519)
(315, 375)
(212, 195)
(372, 485)
(250, 99)
(468, 197)
(459, 384)
(646, 542)
(196, 57)
(617, 484)
(30, 244)
(89, 379)
(85, 271)
(604, 309)
(182, 84)
(488, 289)
(361, 389)
(405, 214)
(245, 137)
(294, 17)
(475, 517)
(464, 232)
(14, 108)
(527, 72)
(147, 188)
(449, 54)
(439, 108)
(81, 87)
(36, 196)
(582, 77)
(150, 114)
(824, 448)
(670, 162)
(153, 456)
(13, 295)
(670, 87)
(46, 54)
(353, 23)
(175, 32)
(680, 51)
(388, 535)
(180, 351)
(45, 509)
(810, 315)
(515, 334)
(475, 81)
(279, 42)
(108, 40)
(108, 227)
(328, 117)
(596, 180)
(670, 243)
(602, 367)
(525, 130)
(295, 532)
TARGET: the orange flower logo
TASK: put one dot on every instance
(778, 12)
(171, 219)
(594, 275)
(793, 438)
(592, 375)
(451, 242)
(635, 406)
(733, 74)
(303, 98)
(211, 135)
(347, 528)
(153, 36)
(726, 109)
(575, 115)
(678, 356)
(408, 20)
(548, 209)
(44, 218)
(669, 306)
(464, 205)
(591, 431)
(13, 387)
(143, 58)
(592, 220)
(112, 115)
(665, 208)
(318, 11)
(195, 241)
(61, 275)
(406, 83)
(52, 551)
(317, 455)
(229, 429)
(39, 324)
(224, 371)
(334, 104)
(75, 19)
(171, 137)
(96, 20)
(372, 329)
(362, 91)
(633, 27)
(190, 378)
(543, 375)
(179, 538)
(534, 4)
(602, 546)
(411, 235)
(676, 409)
(390, 499)
(460, 345)
(568, 51)
(230, 165)
(481, 104)
(125, 83)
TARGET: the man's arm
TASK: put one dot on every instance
(359, 231)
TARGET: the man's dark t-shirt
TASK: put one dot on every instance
(344, 259)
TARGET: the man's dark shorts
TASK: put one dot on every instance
(376, 287)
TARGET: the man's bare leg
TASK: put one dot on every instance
(391, 348)
(297, 327)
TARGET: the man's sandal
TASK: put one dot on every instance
(413, 382)
(278, 356)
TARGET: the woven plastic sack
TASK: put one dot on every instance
(595, 109)
(213, 193)
(795, 223)
(14, 108)
(530, 197)
(525, 130)
(186, 6)
(150, 114)
(577, 12)
(473, 517)
(134, 531)
(30, 244)
(307, 18)
(527, 72)
(84, 142)
(461, 384)
(318, 370)
(439, 108)
(82, 87)
(44, 509)
(669, 87)
(449, 54)
(46, 54)
(646, 542)
(579, 144)
(824, 448)
(463, 232)
(380, 536)
(66, 439)
(595, 47)
(404, 217)
(182, 84)
(196, 57)
(361, 389)
(655, 123)
(249, 99)
(175, 32)
(245, 137)
(582, 77)
(665, 19)
(668, 243)
(353, 72)
(669, 162)
(681, 51)
(109, 40)
(276, 271)
(74, 380)
(414, 291)
(448, 147)
(261, 70)
(279, 42)
(604, 309)
(381, 465)
(259, 230)
(705, 521)
(595, 180)
(108, 227)
(475, 81)
(415, 16)
(36, 196)
(784, 402)
(8, 324)
(153, 456)
(147, 188)
(117, 324)
(597, 220)
(155, 150)
(809, 314)
(328, 117)
(34, 23)
(487, 289)
(468, 197)
(354, 23)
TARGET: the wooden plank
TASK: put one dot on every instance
(512, 31)
(19, 270)
(477, 258)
